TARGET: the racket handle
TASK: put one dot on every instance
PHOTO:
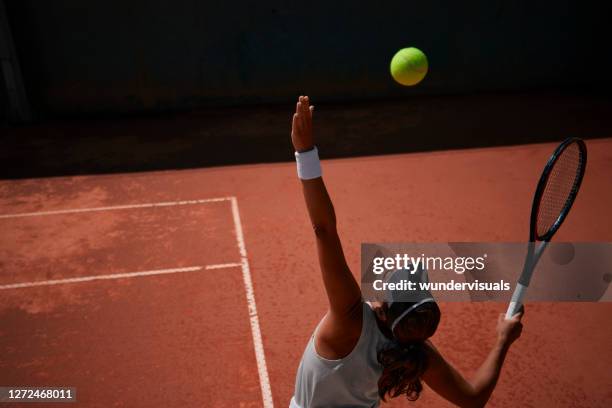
(517, 299)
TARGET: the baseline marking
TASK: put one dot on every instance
(115, 276)
(264, 380)
(116, 207)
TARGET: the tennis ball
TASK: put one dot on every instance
(409, 66)
(561, 253)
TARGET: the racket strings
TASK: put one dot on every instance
(560, 188)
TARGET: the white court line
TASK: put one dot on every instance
(116, 276)
(103, 277)
(226, 265)
(264, 380)
(262, 369)
(115, 207)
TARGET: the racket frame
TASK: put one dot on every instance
(534, 253)
(537, 197)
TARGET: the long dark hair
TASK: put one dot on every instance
(405, 360)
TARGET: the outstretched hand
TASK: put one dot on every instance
(301, 129)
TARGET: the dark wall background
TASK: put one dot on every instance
(109, 56)
(4, 107)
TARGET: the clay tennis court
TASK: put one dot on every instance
(201, 287)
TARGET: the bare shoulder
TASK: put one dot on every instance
(338, 335)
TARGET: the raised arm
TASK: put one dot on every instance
(445, 380)
(342, 289)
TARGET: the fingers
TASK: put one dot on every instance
(294, 122)
(516, 319)
(302, 118)
(303, 111)
(303, 105)
(519, 315)
(298, 123)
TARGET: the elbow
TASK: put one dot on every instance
(324, 222)
(324, 229)
(476, 402)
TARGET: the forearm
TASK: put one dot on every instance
(319, 205)
(450, 384)
(342, 289)
(486, 376)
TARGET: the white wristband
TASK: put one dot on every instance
(308, 164)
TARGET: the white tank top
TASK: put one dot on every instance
(348, 382)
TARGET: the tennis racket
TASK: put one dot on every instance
(553, 199)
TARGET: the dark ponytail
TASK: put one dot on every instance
(405, 361)
(403, 365)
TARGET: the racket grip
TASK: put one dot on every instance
(517, 299)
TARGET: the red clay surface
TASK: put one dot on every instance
(184, 339)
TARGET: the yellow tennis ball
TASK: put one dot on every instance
(409, 66)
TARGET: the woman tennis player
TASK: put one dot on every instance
(359, 353)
